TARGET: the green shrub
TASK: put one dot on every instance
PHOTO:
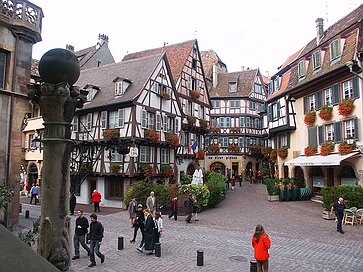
(6, 193)
(213, 176)
(353, 196)
(201, 193)
(272, 186)
(217, 188)
(186, 179)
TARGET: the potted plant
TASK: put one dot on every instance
(327, 148)
(254, 148)
(111, 134)
(191, 119)
(283, 152)
(214, 148)
(146, 169)
(152, 136)
(215, 130)
(346, 107)
(345, 148)
(203, 123)
(272, 186)
(165, 94)
(235, 130)
(233, 148)
(273, 154)
(167, 171)
(326, 113)
(195, 94)
(310, 150)
(172, 140)
(114, 168)
(310, 118)
(266, 150)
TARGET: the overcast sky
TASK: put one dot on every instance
(256, 34)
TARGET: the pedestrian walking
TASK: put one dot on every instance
(228, 178)
(96, 199)
(34, 194)
(233, 183)
(139, 224)
(250, 175)
(259, 176)
(174, 208)
(261, 244)
(239, 178)
(151, 203)
(149, 234)
(72, 203)
(95, 239)
(132, 208)
(195, 208)
(158, 227)
(81, 228)
(188, 205)
(338, 208)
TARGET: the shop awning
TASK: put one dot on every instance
(330, 160)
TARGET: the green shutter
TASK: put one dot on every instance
(355, 87)
(288, 139)
(338, 132)
(278, 109)
(312, 139)
(356, 134)
(319, 99)
(336, 94)
(321, 134)
(306, 102)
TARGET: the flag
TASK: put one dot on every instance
(195, 148)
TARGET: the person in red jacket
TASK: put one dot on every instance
(96, 199)
(261, 243)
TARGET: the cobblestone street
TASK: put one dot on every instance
(301, 239)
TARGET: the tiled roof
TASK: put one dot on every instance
(177, 55)
(85, 54)
(209, 58)
(137, 70)
(245, 80)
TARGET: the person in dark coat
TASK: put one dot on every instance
(174, 208)
(72, 203)
(139, 224)
(338, 208)
(95, 239)
(189, 208)
(81, 227)
(149, 233)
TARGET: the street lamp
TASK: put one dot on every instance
(350, 140)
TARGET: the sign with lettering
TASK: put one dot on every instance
(134, 152)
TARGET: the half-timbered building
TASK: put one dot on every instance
(235, 122)
(188, 75)
(323, 84)
(128, 127)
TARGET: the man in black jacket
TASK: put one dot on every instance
(80, 234)
(95, 239)
(339, 207)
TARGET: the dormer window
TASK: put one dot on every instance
(232, 87)
(119, 88)
(316, 60)
(92, 91)
(157, 88)
(258, 88)
(302, 69)
(335, 50)
(277, 83)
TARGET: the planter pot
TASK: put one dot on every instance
(328, 216)
(273, 198)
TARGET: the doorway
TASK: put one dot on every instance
(92, 186)
(330, 181)
(235, 169)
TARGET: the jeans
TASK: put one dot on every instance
(95, 248)
(77, 239)
(262, 266)
(175, 214)
(35, 198)
(136, 228)
(97, 206)
(339, 224)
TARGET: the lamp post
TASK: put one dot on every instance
(58, 100)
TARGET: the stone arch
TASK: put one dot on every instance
(190, 169)
(218, 167)
(348, 175)
(32, 173)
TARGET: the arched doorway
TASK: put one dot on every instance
(317, 178)
(190, 169)
(348, 176)
(218, 167)
(32, 174)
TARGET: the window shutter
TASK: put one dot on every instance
(338, 132)
(121, 118)
(306, 104)
(336, 94)
(312, 131)
(144, 119)
(321, 134)
(288, 139)
(269, 115)
(278, 109)
(158, 121)
(319, 99)
(355, 87)
(356, 134)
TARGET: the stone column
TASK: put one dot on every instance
(58, 100)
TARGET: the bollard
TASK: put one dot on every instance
(120, 243)
(20, 208)
(157, 249)
(200, 258)
(27, 214)
(253, 266)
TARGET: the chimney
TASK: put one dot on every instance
(102, 38)
(215, 76)
(70, 47)
(319, 29)
(242, 68)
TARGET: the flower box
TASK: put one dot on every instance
(215, 130)
(111, 134)
(310, 150)
(346, 107)
(191, 119)
(152, 136)
(266, 150)
(203, 123)
(114, 168)
(166, 95)
(167, 171)
(345, 148)
(146, 170)
(254, 148)
(233, 148)
(273, 155)
(326, 148)
(172, 140)
(283, 152)
(214, 148)
(326, 113)
(235, 130)
(85, 167)
(195, 94)
(310, 118)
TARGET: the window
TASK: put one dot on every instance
(274, 111)
(242, 122)
(258, 88)
(89, 121)
(158, 121)
(150, 120)
(312, 102)
(157, 88)
(232, 87)
(165, 156)
(3, 60)
(302, 69)
(241, 141)
(75, 124)
(257, 123)
(216, 104)
(316, 60)
(222, 122)
(252, 105)
(283, 140)
(248, 122)
(228, 122)
(248, 142)
(104, 119)
(224, 141)
(329, 132)
(335, 50)
(145, 154)
(234, 104)
(276, 84)
(116, 157)
(348, 89)
(349, 129)
(176, 125)
(328, 97)
(119, 88)
(116, 119)
(192, 83)
(194, 63)
(114, 188)
(165, 124)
